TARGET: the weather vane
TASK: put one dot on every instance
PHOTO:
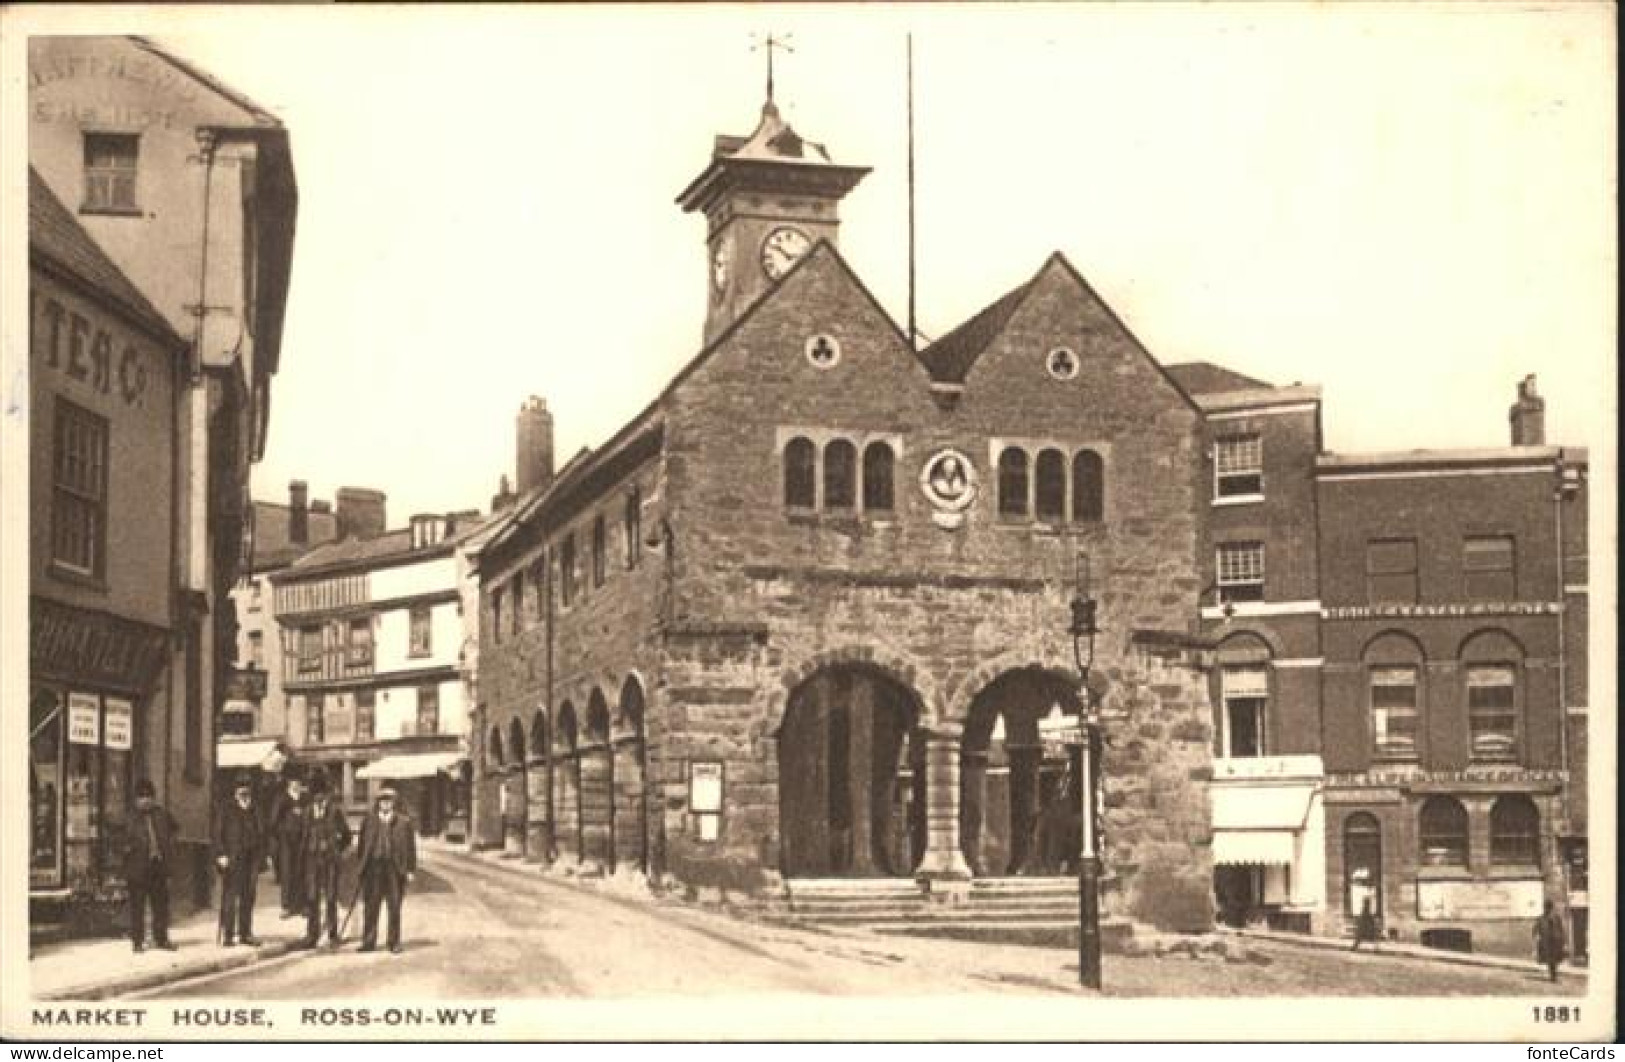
(767, 43)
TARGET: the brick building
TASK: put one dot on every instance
(1400, 683)
(803, 615)
(186, 190)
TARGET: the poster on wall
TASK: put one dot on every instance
(705, 787)
(1440, 900)
(84, 719)
(118, 717)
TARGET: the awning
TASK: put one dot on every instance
(1252, 847)
(411, 765)
(235, 755)
(1261, 807)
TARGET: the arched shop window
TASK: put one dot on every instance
(1515, 832)
(1443, 832)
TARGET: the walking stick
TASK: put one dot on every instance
(345, 925)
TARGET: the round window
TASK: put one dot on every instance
(822, 350)
(1062, 363)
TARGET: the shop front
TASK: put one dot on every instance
(429, 784)
(91, 681)
(1268, 838)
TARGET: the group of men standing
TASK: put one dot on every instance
(304, 836)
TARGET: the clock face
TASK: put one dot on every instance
(721, 258)
(781, 249)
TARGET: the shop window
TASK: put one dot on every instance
(632, 527)
(840, 474)
(315, 720)
(800, 474)
(1013, 482)
(79, 491)
(567, 570)
(428, 709)
(600, 549)
(1443, 832)
(1390, 571)
(358, 642)
(366, 713)
(420, 636)
(1394, 713)
(1245, 693)
(1088, 487)
(110, 171)
(1049, 475)
(1492, 711)
(1514, 832)
(1241, 571)
(878, 461)
(1238, 467)
(256, 650)
(45, 789)
(309, 649)
(1488, 563)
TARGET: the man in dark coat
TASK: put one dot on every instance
(239, 852)
(326, 837)
(1551, 944)
(288, 834)
(149, 852)
(389, 859)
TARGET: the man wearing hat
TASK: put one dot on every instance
(239, 850)
(389, 858)
(326, 837)
(288, 821)
(149, 849)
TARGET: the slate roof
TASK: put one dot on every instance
(950, 358)
(1204, 377)
(56, 235)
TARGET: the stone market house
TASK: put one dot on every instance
(802, 617)
(188, 188)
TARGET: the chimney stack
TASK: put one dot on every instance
(534, 463)
(298, 520)
(504, 497)
(360, 512)
(1528, 415)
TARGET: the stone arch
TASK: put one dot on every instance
(986, 673)
(1018, 794)
(515, 796)
(1247, 645)
(516, 743)
(879, 657)
(1397, 644)
(539, 790)
(597, 763)
(493, 748)
(566, 784)
(540, 739)
(1491, 644)
(630, 774)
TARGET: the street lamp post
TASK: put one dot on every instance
(1083, 630)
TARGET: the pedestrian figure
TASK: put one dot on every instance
(239, 852)
(326, 837)
(1550, 940)
(1366, 929)
(288, 833)
(389, 859)
(149, 849)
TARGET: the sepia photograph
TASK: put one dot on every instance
(1066, 522)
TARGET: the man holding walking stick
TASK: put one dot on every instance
(389, 859)
(325, 838)
(239, 849)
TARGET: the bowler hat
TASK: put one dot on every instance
(243, 782)
(145, 788)
(386, 793)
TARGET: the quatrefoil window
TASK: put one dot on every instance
(1062, 363)
(822, 350)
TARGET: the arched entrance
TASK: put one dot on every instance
(539, 789)
(566, 786)
(1018, 799)
(630, 771)
(513, 797)
(597, 786)
(1362, 864)
(851, 777)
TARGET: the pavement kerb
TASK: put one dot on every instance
(142, 982)
(1406, 951)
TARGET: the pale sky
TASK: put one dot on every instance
(1410, 206)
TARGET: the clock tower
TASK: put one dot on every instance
(767, 199)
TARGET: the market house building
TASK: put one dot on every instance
(187, 187)
(369, 648)
(1400, 679)
(802, 617)
(106, 376)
